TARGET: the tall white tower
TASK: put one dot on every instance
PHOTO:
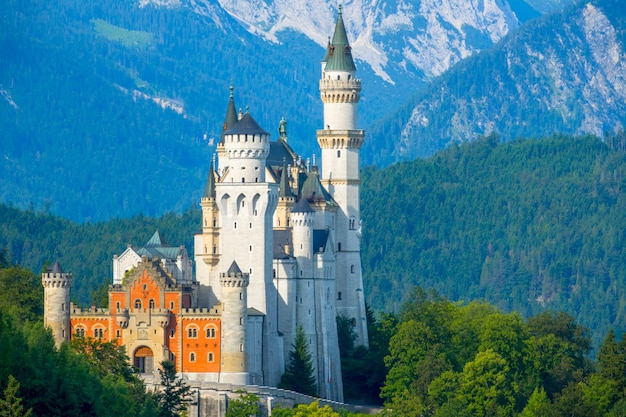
(56, 304)
(341, 142)
(246, 203)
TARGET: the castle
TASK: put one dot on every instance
(279, 249)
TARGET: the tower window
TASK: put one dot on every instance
(214, 222)
(250, 248)
(243, 179)
(235, 225)
(339, 247)
(151, 303)
(352, 269)
(192, 357)
(214, 249)
(138, 304)
(210, 358)
(338, 154)
(339, 295)
(171, 305)
(117, 305)
(118, 333)
(172, 333)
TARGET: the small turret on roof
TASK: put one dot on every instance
(339, 53)
(284, 189)
(231, 114)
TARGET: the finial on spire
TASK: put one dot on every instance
(232, 89)
(340, 7)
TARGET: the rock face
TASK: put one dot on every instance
(396, 38)
(565, 73)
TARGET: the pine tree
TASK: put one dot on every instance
(11, 404)
(175, 395)
(299, 375)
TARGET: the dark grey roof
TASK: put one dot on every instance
(55, 268)
(339, 54)
(282, 238)
(313, 190)
(209, 190)
(302, 206)
(234, 269)
(281, 152)
(246, 126)
(320, 238)
(231, 115)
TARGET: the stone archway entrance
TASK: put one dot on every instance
(143, 359)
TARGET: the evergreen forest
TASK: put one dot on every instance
(529, 225)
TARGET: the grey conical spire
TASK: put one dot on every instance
(209, 190)
(231, 114)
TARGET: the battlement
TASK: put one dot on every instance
(213, 311)
(92, 311)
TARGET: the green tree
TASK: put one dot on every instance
(299, 375)
(174, 394)
(10, 403)
(21, 293)
(245, 406)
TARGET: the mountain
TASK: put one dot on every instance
(108, 107)
(564, 72)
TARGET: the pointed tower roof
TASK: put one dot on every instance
(234, 269)
(156, 241)
(231, 114)
(209, 190)
(302, 206)
(55, 269)
(284, 189)
(339, 53)
(247, 125)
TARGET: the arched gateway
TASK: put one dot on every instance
(143, 359)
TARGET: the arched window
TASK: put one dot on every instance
(192, 357)
(138, 304)
(151, 303)
(339, 295)
(352, 269)
(80, 331)
(211, 358)
(210, 332)
(98, 332)
(192, 332)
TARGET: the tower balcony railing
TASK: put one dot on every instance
(329, 84)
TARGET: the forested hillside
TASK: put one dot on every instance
(527, 225)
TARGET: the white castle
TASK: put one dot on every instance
(279, 249)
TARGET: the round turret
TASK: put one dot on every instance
(234, 285)
(56, 285)
(247, 147)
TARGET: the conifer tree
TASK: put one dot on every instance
(175, 395)
(299, 375)
(10, 403)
